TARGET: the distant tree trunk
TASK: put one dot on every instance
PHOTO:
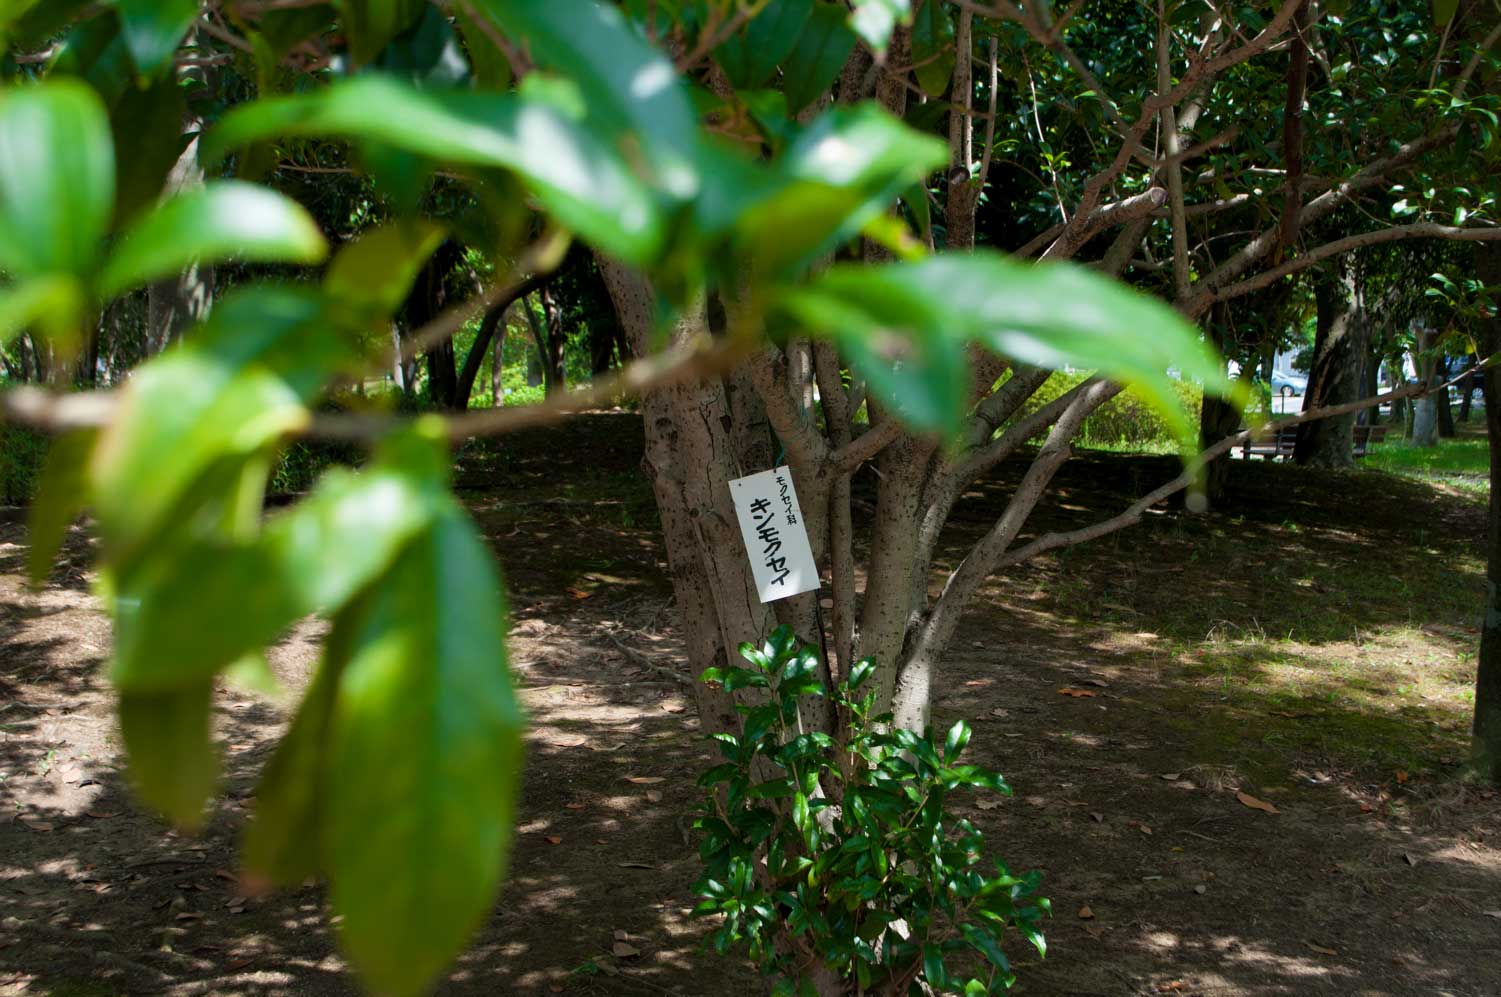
(1486, 746)
(494, 319)
(1370, 387)
(401, 368)
(428, 298)
(548, 338)
(1424, 407)
(1467, 390)
(175, 304)
(606, 342)
(1339, 348)
(497, 364)
(1218, 418)
(1441, 401)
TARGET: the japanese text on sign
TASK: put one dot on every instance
(775, 539)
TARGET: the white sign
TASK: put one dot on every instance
(775, 539)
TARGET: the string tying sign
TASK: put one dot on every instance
(776, 541)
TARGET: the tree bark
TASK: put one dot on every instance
(1441, 400)
(1339, 348)
(497, 365)
(1486, 743)
(1425, 407)
(175, 304)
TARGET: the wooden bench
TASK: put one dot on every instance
(1279, 445)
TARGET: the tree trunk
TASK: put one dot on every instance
(1425, 407)
(175, 304)
(554, 375)
(1218, 418)
(1370, 387)
(1486, 751)
(1467, 390)
(1339, 348)
(1441, 400)
(497, 364)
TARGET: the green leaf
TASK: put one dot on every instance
(906, 325)
(958, 738)
(424, 747)
(57, 178)
(173, 763)
(153, 29)
(62, 494)
(282, 844)
(631, 87)
(313, 558)
(875, 20)
(933, 47)
(537, 134)
(820, 54)
(53, 303)
(370, 24)
(377, 270)
(223, 220)
(1444, 11)
(842, 171)
(750, 56)
(492, 71)
(984, 942)
(864, 669)
(148, 122)
(234, 391)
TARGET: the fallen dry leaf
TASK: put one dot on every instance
(36, 825)
(652, 796)
(568, 740)
(624, 951)
(987, 804)
(103, 814)
(1492, 913)
(1322, 949)
(553, 839)
(634, 865)
(645, 780)
(573, 806)
(555, 988)
(1085, 914)
(620, 935)
(579, 593)
(1201, 889)
(1170, 776)
(1247, 799)
(1076, 693)
(1410, 860)
(1401, 776)
(1097, 818)
(1099, 683)
(1366, 808)
(673, 706)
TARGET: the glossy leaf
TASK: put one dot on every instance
(537, 134)
(629, 85)
(370, 24)
(875, 20)
(232, 393)
(313, 558)
(57, 178)
(54, 303)
(224, 220)
(751, 56)
(933, 47)
(282, 845)
(148, 122)
(376, 271)
(844, 169)
(61, 496)
(907, 325)
(424, 745)
(173, 763)
(821, 51)
(153, 29)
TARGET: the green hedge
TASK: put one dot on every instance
(21, 455)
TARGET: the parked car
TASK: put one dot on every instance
(1289, 382)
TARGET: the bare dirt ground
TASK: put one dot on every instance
(1309, 645)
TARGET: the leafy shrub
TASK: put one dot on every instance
(1127, 421)
(873, 891)
(22, 454)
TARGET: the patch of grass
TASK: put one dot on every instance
(1462, 462)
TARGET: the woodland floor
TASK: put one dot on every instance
(1310, 644)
